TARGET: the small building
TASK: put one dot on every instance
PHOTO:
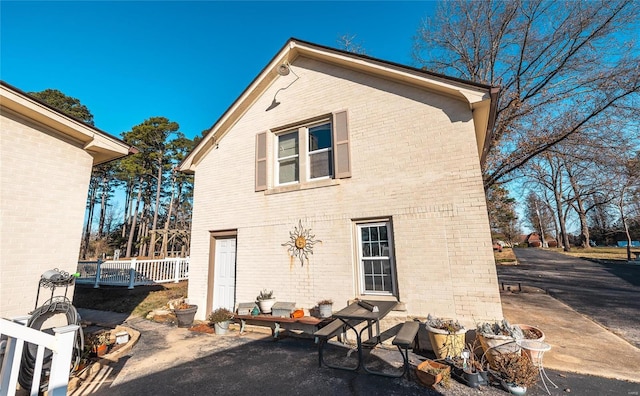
(336, 175)
(46, 159)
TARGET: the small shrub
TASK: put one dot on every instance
(265, 295)
(220, 315)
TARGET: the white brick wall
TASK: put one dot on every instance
(43, 181)
(414, 159)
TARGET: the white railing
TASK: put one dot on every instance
(133, 272)
(60, 343)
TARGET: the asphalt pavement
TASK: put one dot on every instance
(586, 358)
(607, 293)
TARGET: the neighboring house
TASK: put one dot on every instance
(45, 166)
(533, 240)
(371, 169)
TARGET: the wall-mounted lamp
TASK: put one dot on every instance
(283, 70)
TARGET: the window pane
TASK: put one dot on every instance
(383, 233)
(288, 171)
(374, 233)
(320, 137)
(320, 164)
(288, 145)
(366, 250)
(365, 234)
(375, 249)
(384, 249)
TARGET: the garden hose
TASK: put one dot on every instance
(55, 306)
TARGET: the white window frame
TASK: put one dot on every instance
(304, 154)
(287, 158)
(319, 151)
(390, 258)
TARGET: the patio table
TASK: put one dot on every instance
(357, 313)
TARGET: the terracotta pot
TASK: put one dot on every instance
(100, 350)
(430, 379)
(533, 329)
(446, 344)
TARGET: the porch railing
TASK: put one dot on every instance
(60, 343)
(133, 272)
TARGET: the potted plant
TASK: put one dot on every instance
(430, 373)
(446, 336)
(474, 371)
(498, 337)
(325, 307)
(265, 301)
(99, 343)
(516, 372)
(221, 318)
(185, 313)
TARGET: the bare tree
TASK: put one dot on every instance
(564, 67)
(349, 43)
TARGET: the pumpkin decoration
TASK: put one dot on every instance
(298, 313)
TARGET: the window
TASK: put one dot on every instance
(313, 163)
(375, 258)
(288, 158)
(320, 158)
(313, 150)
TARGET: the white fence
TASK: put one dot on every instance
(133, 272)
(60, 343)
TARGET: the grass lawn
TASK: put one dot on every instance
(505, 256)
(603, 253)
(139, 301)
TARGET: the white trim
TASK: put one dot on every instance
(390, 257)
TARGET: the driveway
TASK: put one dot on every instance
(607, 293)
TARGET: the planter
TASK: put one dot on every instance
(493, 345)
(100, 350)
(222, 327)
(185, 316)
(446, 344)
(476, 378)
(534, 332)
(429, 373)
(266, 305)
(513, 389)
(326, 310)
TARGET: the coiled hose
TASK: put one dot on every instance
(55, 306)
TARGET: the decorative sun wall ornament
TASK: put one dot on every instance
(301, 243)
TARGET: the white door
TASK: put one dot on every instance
(224, 281)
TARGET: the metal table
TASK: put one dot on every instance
(357, 313)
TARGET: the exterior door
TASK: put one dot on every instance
(224, 283)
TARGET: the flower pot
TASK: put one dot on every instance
(513, 388)
(429, 373)
(532, 330)
(185, 316)
(444, 343)
(100, 350)
(222, 327)
(493, 345)
(265, 305)
(325, 310)
(475, 379)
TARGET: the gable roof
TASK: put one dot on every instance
(99, 144)
(481, 98)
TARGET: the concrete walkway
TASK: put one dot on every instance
(578, 344)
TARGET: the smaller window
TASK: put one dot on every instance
(320, 155)
(288, 158)
(375, 258)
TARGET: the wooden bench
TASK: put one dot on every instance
(276, 321)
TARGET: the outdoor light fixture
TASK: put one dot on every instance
(283, 70)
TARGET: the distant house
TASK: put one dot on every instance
(533, 240)
(341, 176)
(45, 165)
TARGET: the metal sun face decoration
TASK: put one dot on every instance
(301, 243)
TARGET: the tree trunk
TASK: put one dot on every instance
(87, 229)
(157, 205)
(134, 221)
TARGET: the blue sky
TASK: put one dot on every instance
(187, 61)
